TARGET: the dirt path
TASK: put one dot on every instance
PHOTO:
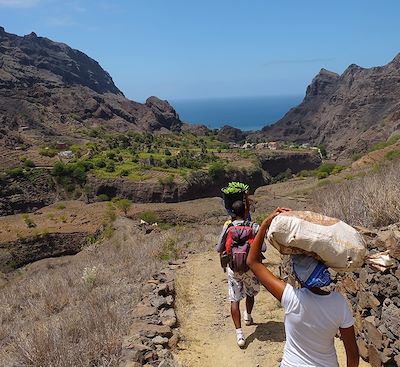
(209, 338)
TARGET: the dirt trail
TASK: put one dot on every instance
(208, 335)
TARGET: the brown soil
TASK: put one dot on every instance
(62, 217)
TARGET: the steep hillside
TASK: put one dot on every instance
(347, 113)
(54, 91)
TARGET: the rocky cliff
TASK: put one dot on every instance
(347, 113)
(51, 88)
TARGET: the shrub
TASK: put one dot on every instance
(367, 201)
(216, 169)
(29, 163)
(28, 221)
(15, 172)
(392, 155)
(102, 197)
(167, 181)
(48, 152)
(124, 205)
(283, 176)
(110, 167)
(100, 163)
(169, 250)
(89, 276)
(149, 216)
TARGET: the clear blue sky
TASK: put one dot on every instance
(219, 48)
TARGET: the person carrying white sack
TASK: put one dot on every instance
(312, 315)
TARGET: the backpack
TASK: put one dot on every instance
(238, 241)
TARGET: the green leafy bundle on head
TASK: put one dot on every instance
(235, 187)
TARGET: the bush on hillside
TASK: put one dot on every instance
(368, 201)
(216, 169)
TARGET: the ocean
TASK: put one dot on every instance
(245, 113)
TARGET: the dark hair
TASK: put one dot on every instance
(239, 209)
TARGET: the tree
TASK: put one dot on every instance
(124, 205)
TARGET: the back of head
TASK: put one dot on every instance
(310, 272)
(239, 209)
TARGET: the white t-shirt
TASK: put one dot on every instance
(311, 323)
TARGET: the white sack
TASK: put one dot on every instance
(330, 240)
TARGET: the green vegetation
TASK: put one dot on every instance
(392, 155)
(169, 250)
(217, 169)
(392, 140)
(28, 221)
(71, 174)
(135, 155)
(283, 176)
(48, 151)
(149, 216)
(124, 205)
(322, 150)
(235, 187)
(102, 197)
(323, 171)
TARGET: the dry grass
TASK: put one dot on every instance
(372, 200)
(57, 314)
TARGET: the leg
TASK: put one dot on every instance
(252, 287)
(249, 304)
(235, 312)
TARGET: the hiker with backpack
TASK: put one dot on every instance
(233, 245)
(313, 316)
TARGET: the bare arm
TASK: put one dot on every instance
(350, 345)
(273, 284)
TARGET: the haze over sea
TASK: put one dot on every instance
(245, 113)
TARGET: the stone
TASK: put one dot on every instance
(160, 340)
(151, 356)
(173, 340)
(158, 301)
(386, 355)
(169, 300)
(391, 318)
(132, 355)
(368, 300)
(374, 335)
(143, 310)
(145, 329)
(362, 348)
(374, 357)
(163, 289)
(350, 285)
(168, 317)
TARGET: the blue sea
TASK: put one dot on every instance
(245, 113)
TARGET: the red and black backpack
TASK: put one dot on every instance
(237, 244)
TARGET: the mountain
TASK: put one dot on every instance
(347, 113)
(52, 89)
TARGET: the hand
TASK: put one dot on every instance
(275, 213)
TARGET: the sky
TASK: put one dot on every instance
(185, 49)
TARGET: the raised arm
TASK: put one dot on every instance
(350, 345)
(273, 284)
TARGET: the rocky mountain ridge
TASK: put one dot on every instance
(53, 89)
(348, 113)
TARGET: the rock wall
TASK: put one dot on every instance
(199, 185)
(18, 253)
(154, 333)
(374, 298)
(275, 163)
(27, 194)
